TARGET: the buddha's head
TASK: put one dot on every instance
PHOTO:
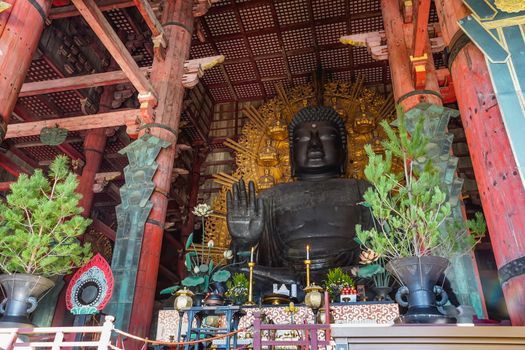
(317, 138)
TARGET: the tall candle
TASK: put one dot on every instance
(307, 252)
(251, 255)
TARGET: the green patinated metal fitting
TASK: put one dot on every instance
(132, 214)
(53, 136)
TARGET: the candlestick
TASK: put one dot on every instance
(251, 265)
(307, 263)
(307, 252)
(251, 255)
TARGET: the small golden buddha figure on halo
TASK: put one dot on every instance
(268, 155)
(342, 113)
(363, 122)
(278, 130)
(266, 181)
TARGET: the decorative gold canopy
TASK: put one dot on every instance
(263, 154)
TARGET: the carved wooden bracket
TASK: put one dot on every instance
(194, 69)
(102, 179)
(378, 47)
(159, 46)
(374, 41)
(4, 6)
(200, 7)
(147, 103)
(419, 70)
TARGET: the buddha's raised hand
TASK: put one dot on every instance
(245, 215)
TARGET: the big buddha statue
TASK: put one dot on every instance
(320, 208)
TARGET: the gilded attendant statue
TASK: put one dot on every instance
(320, 208)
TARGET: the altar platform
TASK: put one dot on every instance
(368, 312)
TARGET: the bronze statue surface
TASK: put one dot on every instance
(320, 208)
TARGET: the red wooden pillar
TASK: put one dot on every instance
(20, 30)
(501, 189)
(166, 77)
(399, 60)
(94, 144)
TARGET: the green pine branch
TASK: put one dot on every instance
(41, 222)
(410, 208)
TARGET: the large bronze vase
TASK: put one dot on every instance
(22, 292)
(418, 277)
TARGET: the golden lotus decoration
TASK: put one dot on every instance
(263, 154)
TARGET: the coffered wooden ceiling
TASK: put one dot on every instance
(266, 42)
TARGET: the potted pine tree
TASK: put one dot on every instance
(40, 223)
(414, 227)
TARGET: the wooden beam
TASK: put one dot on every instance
(75, 83)
(22, 145)
(129, 118)
(149, 17)
(104, 229)
(104, 5)
(421, 28)
(6, 185)
(107, 35)
(10, 166)
(193, 69)
(70, 151)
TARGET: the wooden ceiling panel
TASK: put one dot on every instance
(264, 44)
(306, 63)
(248, 91)
(266, 41)
(367, 24)
(363, 6)
(372, 74)
(300, 80)
(221, 94)
(239, 72)
(298, 39)
(330, 33)
(202, 50)
(42, 153)
(119, 21)
(68, 101)
(338, 58)
(214, 76)
(269, 85)
(37, 107)
(292, 11)
(361, 55)
(271, 67)
(388, 77)
(323, 9)
(257, 17)
(223, 3)
(223, 23)
(346, 75)
(233, 49)
(40, 70)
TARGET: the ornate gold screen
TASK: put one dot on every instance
(263, 149)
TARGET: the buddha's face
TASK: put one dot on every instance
(317, 149)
